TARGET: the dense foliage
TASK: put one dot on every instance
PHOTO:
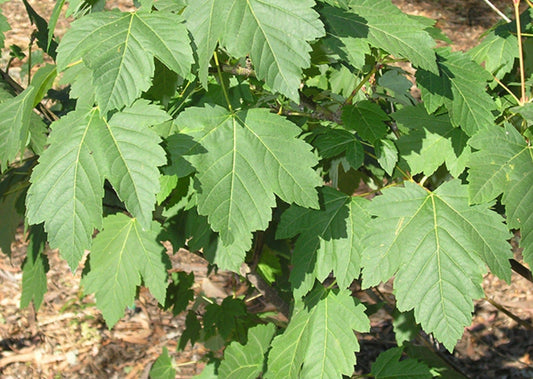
(280, 140)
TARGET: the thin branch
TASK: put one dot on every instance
(500, 13)
(510, 314)
(270, 294)
(521, 270)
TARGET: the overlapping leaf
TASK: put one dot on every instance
(122, 255)
(504, 163)
(437, 245)
(388, 365)
(67, 185)
(276, 35)
(319, 341)
(34, 282)
(251, 155)
(329, 239)
(4, 27)
(460, 86)
(246, 362)
(432, 141)
(119, 48)
(204, 22)
(14, 125)
(367, 118)
(382, 25)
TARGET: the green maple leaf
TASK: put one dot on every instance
(203, 21)
(329, 239)
(242, 160)
(388, 365)
(119, 46)
(67, 184)
(498, 50)
(14, 124)
(319, 341)
(504, 163)
(163, 367)
(335, 142)
(460, 87)
(122, 255)
(34, 269)
(384, 26)
(4, 27)
(276, 35)
(367, 119)
(432, 140)
(437, 245)
(246, 361)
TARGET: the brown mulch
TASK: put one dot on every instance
(68, 338)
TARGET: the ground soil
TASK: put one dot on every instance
(68, 338)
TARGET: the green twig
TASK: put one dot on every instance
(365, 79)
(523, 98)
(215, 55)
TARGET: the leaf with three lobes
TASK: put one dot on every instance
(432, 140)
(504, 163)
(384, 26)
(329, 239)
(437, 246)
(319, 341)
(121, 255)
(276, 35)
(119, 48)
(67, 185)
(460, 87)
(246, 362)
(335, 142)
(14, 125)
(250, 156)
(388, 365)
(34, 269)
(204, 22)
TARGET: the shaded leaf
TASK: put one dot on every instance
(504, 163)
(388, 365)
(34, 269)
(329, 239)
(367, 119)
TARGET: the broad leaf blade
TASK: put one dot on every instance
(276, 34)
(367, 119)
(204, 22)
(34, 282)
(132, 156)
(66, 191)
(432, 141)
(460, 86)
(162, 367)
(14, 125)
(246, 362)
(319, 341)
(436, 244)
(388, 28)
(119, 48)
(250, 156)
(122, 254)
(329, 239)
(504, 163)
(388, 365)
